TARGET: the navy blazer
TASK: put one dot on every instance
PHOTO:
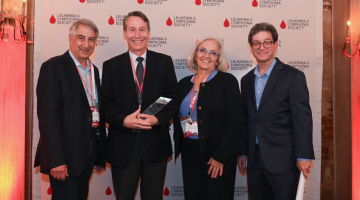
(283, 121)
(65, 117)
(120, 99)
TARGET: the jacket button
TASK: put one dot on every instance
(257, 121)
(201, 95)
(88, 138)
(133, 130)
(199, 107)
(203, 84)
(202, 136)
(200, 121)
(89, 119)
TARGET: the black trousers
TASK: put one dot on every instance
(152, 175)
(265, 186)
(75, 188)
(198, 184)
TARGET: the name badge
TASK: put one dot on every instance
(95, 116)
(189, 127)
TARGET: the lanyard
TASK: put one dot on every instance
(137, 82)
(92, 82)
(193, 98)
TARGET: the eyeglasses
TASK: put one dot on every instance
(266, 44)
(203, 51)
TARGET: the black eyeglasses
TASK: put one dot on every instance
(266, 44)
(211, 53)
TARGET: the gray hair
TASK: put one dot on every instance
(86, 22)
(221, 65)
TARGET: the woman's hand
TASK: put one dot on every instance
(216, 168)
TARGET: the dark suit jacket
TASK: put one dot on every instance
(120, 99)
(218, 115)
(283, 122)
(65, 117)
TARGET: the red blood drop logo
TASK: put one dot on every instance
(168, 22)
(198, 2)
(166, 192)
(283, 25)
(82, 1)
(228, 66)
(111, 20)
(49, 191)
(52, 19)
(255, 3)
(140, 1)
(108, 191)
(197, 41)
(226, 23)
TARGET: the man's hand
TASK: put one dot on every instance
(304, 166)
(151, 119)
(242, 163)
(216, 168)
(60, 172)
(132, 121)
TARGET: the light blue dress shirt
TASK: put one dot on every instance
(85, 73)
(260, 83)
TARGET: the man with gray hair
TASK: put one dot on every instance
(69, 109)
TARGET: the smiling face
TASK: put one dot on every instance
(82, 44)
(137, 35)
(205, 61)
(264, 54)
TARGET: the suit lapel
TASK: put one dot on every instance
(74, 74)
(151, 65)
(127, 69)
(97, 82)
(274, 76)
(252, 90)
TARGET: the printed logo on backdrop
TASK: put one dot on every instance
(64, 18)
(151, 2)
(92, 1)
(240, 191)
(180, 63)
(181, 21)
(117, 21)
(294, 24)
(300, 65)
(236, 22)
(157, 42)
(49, 191)
(102, 40)
(209, 2)
(174, 191)
(108, 191)
(242, 65)
(266, 3)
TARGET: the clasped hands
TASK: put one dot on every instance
(140, 121)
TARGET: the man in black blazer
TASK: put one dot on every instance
(138, 144)
(69, 99)
(277, 135)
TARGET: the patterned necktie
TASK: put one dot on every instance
(140, 70)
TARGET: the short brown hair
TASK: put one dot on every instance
(136, 14)
(263, 27)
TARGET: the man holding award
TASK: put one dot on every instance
(138, 145)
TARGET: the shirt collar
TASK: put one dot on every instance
(268, 71)
(77, 63)
(133, 56)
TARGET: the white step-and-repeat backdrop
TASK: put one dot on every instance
(175, 27)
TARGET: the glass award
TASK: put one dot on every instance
(157, 106)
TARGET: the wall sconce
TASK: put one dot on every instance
(9, 24)
(347, 41)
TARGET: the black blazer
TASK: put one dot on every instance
(283, 122)
(120, 100)
(65, 117)
(218, 114)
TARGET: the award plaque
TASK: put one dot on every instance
(157, 106)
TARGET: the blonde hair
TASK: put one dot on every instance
(221, 65)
